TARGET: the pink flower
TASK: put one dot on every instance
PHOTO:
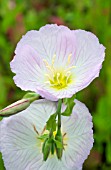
(57, 62)
(22, 149)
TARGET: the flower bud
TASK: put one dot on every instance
(46, 148)
(52, 147)
(59, 151)
(31, 96)
(15, 107)
(20, 105)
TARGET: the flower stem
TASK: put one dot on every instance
(58, 136)
(58, 112)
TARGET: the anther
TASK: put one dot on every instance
(68, 75)
(64, 134)
(35, 129)
(69, 58)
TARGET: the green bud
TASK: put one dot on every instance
(20, 105)
(31, 96)
(15, 107)
(44, 145)
(46, 148)
(59, 151)
(52, 147)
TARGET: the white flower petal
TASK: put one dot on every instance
(88, 60)
(29, 69)
(19, 144)
(22, 150)
(49, 40)
(39, 112)
(57, 48)
(36, 46)
(79, 135)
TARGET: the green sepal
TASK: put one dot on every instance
(31, 96)
(51, 123)
(44, 145)
(46, 148)
(58, 144)
(43, 137)
(52, 147)
(59, 148)
(70, 104)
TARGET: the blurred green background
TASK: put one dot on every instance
(18, 16)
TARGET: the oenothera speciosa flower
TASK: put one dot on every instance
(57, 62)
(21, 145)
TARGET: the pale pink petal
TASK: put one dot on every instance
(50, 40)
(88, 59)
(63, 49)
(79, 135)
(29, 69)
(22, 150)
(37, 46)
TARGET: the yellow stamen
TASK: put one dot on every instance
(47, 75)
(46, 63)
(70, 68)
(68, 76)
(58, 75)
(48, 66)
(58, 78)
(54, 133)
(69, 58)
(53, 59)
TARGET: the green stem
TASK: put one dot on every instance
(51, 133)
(58, 112)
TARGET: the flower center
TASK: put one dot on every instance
(58, 78)
(45, 133)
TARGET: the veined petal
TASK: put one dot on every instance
(57, 62)
(29, 69)
(49, 40)
(79, 135)
(19, 144)
(89, 57)
(22, 150)
(37, 48)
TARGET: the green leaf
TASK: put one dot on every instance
(108, 150)
(51, 123)
(70, 104)
(1, 163)
(43, 137)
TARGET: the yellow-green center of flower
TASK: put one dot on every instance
(58, 78)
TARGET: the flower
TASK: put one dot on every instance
(57, 62)
(21, 146)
